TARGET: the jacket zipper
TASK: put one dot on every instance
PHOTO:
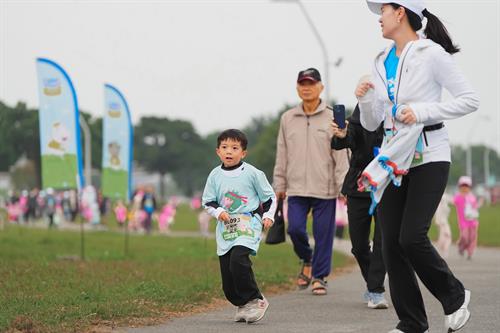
(401, 74)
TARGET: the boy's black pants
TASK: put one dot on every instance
(238, 281)
(405, 214)
(370, 260)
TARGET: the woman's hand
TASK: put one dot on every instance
(407, 116)
(363, 88)
(339, 132)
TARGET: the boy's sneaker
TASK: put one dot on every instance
(459, 318)
(240, 314)
(377, 301)
(256, 309)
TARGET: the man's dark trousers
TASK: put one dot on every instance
(323, 211)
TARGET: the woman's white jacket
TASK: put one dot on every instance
(424, 69)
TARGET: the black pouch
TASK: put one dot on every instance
(276, 234)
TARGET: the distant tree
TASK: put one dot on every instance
(24, 176)
(172, 146)
(19, 135)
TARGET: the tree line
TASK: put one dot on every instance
(172, 146)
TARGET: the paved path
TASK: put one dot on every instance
(342, 310)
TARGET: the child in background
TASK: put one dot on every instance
(13, 211)
(204, 220)
(467, 214)
(441, 220)
(120, 213)
(240, 197)
(340, 217)
(195, 202)
(166, 217)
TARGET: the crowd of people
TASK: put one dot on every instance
(34, 205)
(58, 207)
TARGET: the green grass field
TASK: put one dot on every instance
(39, 290)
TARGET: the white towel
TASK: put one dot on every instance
(393, 161)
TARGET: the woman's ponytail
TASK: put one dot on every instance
(436, 31)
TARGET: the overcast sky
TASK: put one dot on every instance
(219, 63)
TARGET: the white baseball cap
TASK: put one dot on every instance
(465, 180)
(416, 6)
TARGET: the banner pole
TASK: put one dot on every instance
(126, 237)
(82, 240)
(88, 150)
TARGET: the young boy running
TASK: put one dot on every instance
(239, 196)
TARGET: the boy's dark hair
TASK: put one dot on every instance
(233, 134)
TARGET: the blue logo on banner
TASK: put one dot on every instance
(114, 110)
(51, 86)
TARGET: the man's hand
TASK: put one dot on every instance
(340, 132)
(224, 216)
(281, 195)
(267, 222)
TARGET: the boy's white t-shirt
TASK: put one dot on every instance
(239, 192)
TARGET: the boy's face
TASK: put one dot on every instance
(230, 152)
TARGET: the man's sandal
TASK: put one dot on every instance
(319, 287)
(303, 281)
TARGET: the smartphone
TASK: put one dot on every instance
(339, 115)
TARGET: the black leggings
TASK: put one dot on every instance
(405, 214)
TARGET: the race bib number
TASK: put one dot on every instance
(238, 225)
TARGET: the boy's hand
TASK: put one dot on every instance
(224, 216)
(281, 195)
(267, 222)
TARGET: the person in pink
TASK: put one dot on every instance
(166, 217)
(340, 217)
(196, 202)
(467, 213)
(23, 206)
(13, 212)
(121, 213)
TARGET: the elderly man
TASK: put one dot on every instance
(310, 173)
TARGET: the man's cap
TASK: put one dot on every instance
(310, 74)
(465, 180)
(416, 6)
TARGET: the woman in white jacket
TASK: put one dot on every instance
(405, 90)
